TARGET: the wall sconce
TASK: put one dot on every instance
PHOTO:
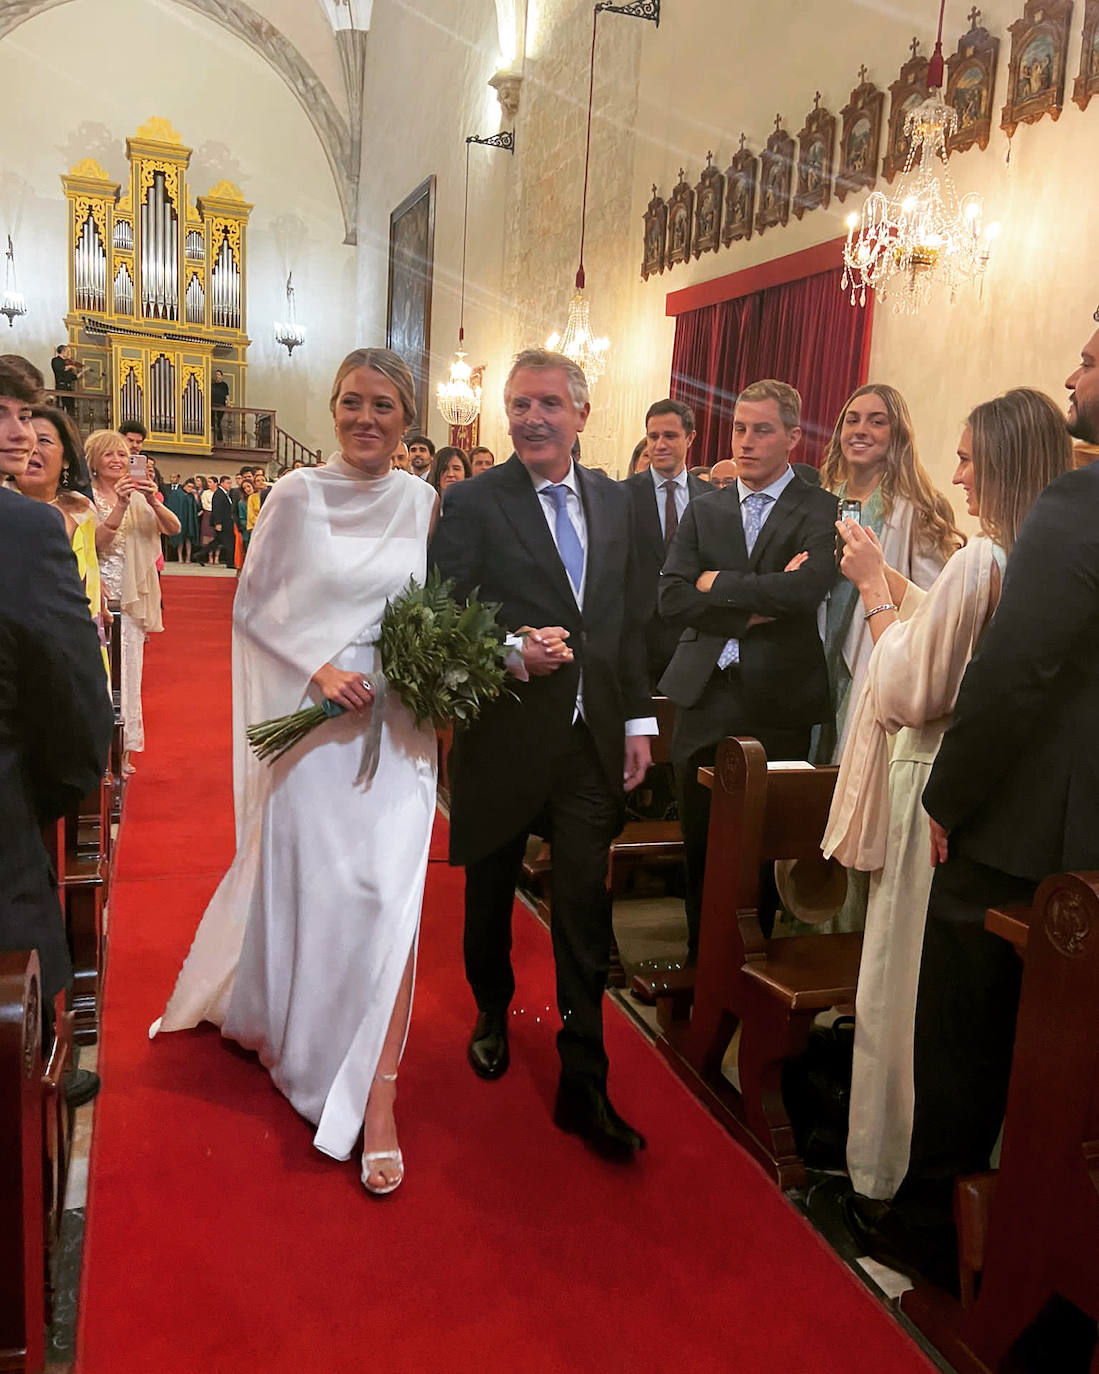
(12, 302)
(288, 332)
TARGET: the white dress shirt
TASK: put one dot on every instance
(575, 507)
(682, 496)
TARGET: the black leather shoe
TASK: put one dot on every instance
(586, 1111)
(81, 1085)
(488, 1046)
(922, 1252)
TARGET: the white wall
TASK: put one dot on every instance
(65, 87)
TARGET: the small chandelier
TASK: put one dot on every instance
(12, 303)
(923, 234)
(578, 342)
(458, 399)
(288, 332)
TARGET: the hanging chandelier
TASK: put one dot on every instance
(578, 343)
(12, 303)
(288, 332)
(458, 399)
(923, 234)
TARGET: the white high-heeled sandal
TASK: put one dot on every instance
(372, 1158)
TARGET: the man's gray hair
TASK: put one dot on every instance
(542, 359)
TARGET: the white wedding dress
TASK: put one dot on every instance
(302, 949)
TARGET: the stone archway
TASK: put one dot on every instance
(339, 144)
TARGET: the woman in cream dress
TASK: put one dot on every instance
(1010, 450)
(306, 952)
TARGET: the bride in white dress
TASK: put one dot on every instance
(306, 953)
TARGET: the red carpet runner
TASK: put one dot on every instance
(220, 1242)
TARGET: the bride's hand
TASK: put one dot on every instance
(349, 690)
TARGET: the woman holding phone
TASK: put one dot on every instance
(127, 538)
(1010, 450)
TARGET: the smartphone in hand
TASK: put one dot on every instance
(137, 465)
(849, 510)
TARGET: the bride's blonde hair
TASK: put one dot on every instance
(390, 366)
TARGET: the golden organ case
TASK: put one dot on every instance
(156, 289)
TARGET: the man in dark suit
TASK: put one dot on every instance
(1013, 797)
(749, 660)
(55, 713)
(554, 544)
(660, 496)
(222, 522)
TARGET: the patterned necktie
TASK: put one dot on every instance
(568, 541)
(754, 506)
(671, 515)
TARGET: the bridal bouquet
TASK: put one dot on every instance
(443, 660)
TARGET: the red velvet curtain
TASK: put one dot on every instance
(805, 332)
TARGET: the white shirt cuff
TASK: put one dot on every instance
(645, 726)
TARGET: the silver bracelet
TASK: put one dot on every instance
(877, 610)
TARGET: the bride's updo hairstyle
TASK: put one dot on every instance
(390, 366)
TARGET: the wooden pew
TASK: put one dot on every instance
(1032, 1228)
(34, 1146)
(771, 989)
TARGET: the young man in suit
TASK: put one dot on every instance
(554, 543)
(55, 713)
(1013, 798)
(749, 660)
(660, 496)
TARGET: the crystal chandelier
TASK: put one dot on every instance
(458, 399)
(923, 234)
(288, 332)
(578, 342)
(12, 303)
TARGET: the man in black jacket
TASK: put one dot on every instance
(55, 713)
(554, 543)
(1013, 797)
(749, 660)
(660, 496)
(223, 525)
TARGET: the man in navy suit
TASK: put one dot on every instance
(660, 498)
(554, 543)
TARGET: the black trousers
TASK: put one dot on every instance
(581, 816)
(720, 711)
(964, 1034)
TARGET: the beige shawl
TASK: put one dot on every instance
(140, 584)
(912, 680)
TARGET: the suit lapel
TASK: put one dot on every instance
(786, 507)
(523, 508)
(595, 513)
(650, 514)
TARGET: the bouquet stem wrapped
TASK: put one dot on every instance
(444, 661)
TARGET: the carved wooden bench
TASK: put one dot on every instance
(771, 989)
(1032, 1228)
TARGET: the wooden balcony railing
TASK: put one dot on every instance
(89, 409)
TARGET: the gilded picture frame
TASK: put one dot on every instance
(709, 206)
(1087, 83)
(909, 89)
(411, 269)
(1036, 72)
(816, 156)
(860, 139)
(680, 222)
(656, 237)
(741, 183)
(971, 86)
(776, 177)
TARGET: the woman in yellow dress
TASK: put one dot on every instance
(58, 475)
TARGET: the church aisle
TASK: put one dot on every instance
(219, 1242)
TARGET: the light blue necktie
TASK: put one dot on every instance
(754, 506)
(568, 541)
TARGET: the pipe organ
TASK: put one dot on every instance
(156, 288)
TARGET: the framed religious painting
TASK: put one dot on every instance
(970, 83)
(1036, 73)
(709, 204)
(411, 267)
(776, 178)
(656, 237)
(741, 180)
(909, 90)
(816, 149)
(1087, 83)
(860, 139)
(680, 217)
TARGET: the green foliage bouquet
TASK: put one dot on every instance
(443, 660)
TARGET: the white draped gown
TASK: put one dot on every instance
(301, 952)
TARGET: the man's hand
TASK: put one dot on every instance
(545, 650)
(639, 756)
(939, 853)
(706, 581)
